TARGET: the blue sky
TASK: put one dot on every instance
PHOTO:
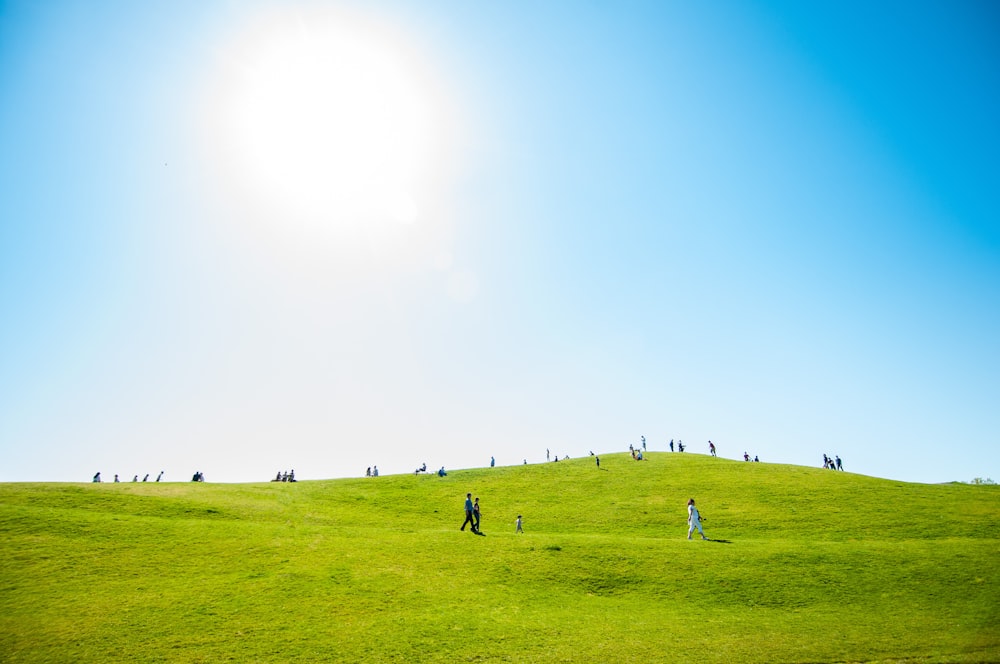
(249, 236)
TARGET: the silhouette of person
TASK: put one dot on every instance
(470, 519)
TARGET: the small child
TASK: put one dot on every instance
(519, 525)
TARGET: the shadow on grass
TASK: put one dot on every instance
(719, 541)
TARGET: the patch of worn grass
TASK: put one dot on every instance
(815, 566)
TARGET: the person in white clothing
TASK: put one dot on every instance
(694, 520)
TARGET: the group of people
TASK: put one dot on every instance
(832, 463)
(372, 471)
(285, 476)
(746, 457)
(473, 515)
(97, 477)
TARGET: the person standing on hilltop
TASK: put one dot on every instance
(694, 520)
(711, 447)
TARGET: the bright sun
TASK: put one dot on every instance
(329, 119)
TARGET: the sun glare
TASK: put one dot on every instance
(329, 120)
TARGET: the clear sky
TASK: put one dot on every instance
(244, 237)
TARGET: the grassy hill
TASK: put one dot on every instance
(812, 566)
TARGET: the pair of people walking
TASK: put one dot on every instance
(472, 514)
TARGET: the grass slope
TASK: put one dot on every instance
(816, 566)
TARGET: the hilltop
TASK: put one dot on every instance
(808, 565)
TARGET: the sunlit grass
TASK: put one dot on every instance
(815, 566)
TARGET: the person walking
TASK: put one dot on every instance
(477, 514)
(694, 520)
(518, 530)
(598, 459)
(469, 518)
(711, 447)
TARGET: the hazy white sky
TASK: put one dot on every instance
(239, 237)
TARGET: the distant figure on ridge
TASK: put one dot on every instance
(598, 461)
(746, 457)
(160, 476)
(839, 465)
(711, 448)
(643, 443)
(547, 454)
(493, 462)
(135, 479)
(116, 478)
(145, 477)
(441, 472)
(694, 520)
(97, 477)
(671, 444)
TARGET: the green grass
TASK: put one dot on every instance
(816, 566)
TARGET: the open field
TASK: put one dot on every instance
(812, 566)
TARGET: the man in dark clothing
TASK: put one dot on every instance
(469, 517)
